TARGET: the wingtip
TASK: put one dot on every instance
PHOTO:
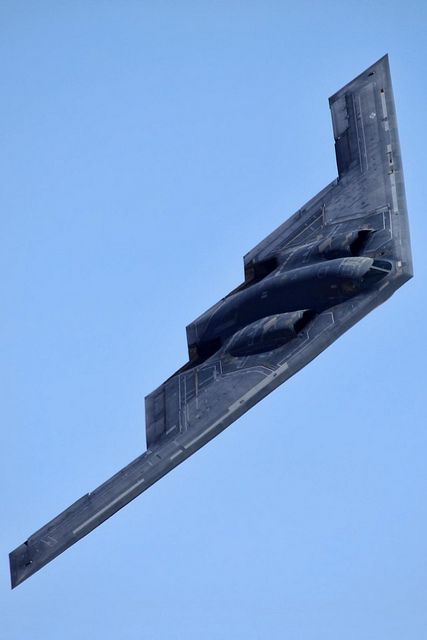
(20, 565)
(13, 573)
(369, 71)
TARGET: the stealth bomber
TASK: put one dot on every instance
(338, 257)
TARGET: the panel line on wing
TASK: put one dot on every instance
(108, 506)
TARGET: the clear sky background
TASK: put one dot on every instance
(145, 148)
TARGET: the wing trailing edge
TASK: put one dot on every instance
(350, 242)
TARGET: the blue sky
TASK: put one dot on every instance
(145, 148)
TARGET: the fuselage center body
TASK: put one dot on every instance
(314, 287)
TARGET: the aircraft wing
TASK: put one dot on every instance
(369, 166)
(361, 215)
(367, 204)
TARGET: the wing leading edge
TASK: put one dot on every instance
(342, 254)
(366, 204)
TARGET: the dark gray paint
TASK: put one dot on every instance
(342, 254)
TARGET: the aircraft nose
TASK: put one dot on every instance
(377, 271)
(356, 267)
(361, 273)
(365, 269)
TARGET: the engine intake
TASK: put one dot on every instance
(268, 333)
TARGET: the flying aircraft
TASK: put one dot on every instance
(338, 257)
